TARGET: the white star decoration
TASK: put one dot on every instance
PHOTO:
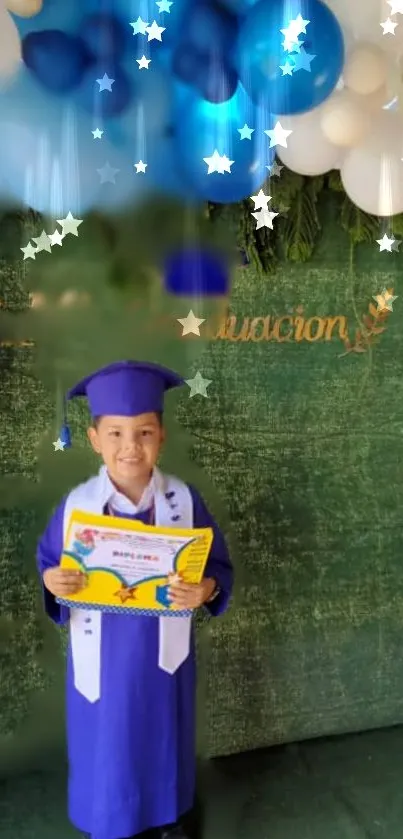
(140, 167)
(385, 301)
(108, 174)
(97, 134)
(388, 26)
(143, 62)
(198, 385)
(139, 26)
(59, 445)
(385, 244)
(190, 324)
(278, 135)
(260, 200)
(105, 83)
(154, 31)
(218, 163)
(45, 242)
(264, 218)
(396, 7)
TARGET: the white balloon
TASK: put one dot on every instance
(10, 46)
(364, 17)
(24, 8)
(366, 69)
(308, 151)
(344, 120)
(372, 173)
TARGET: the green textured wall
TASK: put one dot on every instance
(299, 452)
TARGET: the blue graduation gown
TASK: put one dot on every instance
(132, 753)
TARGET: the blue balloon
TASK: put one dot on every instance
(105, 35)
(196, 272)
(292, 77)
(203, 128)
(187, 63)
(216, 82)
(209, 28)
(57, 59)
(105, 103)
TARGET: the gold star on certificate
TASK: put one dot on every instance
(385, 300)
(70, 224)
(198, 385)
(190, 324)
(29, 251)
(59, 445)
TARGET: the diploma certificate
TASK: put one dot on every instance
(129, 565)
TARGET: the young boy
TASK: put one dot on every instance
(131, 678)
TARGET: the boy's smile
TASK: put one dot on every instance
(129, 447)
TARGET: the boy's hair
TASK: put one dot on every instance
(95, 420)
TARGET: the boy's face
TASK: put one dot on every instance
(129, 446)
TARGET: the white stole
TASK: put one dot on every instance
(173, 508)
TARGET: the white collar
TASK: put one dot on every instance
(108, 494)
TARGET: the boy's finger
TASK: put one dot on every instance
(185, 587)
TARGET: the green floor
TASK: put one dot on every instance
(329, 789)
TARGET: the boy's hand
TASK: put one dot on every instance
(190, 595)
(62, 582)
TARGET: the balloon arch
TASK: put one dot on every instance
(97, 109)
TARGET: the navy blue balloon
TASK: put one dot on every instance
(105, 103)
(210, 28)
(57, 59)
(194, 271)
(105, 35)
(260, 54)
(187, 63)
(215, 82)
(202, 128)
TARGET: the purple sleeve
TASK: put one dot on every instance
(48, 555)
(219, 565)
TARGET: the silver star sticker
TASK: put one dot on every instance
(190, 324)
(59, 445)
(42, 242)
(198, 385)
(108, 174)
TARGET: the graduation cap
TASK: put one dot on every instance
(123, 389)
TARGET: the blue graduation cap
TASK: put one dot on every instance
(123, 389)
